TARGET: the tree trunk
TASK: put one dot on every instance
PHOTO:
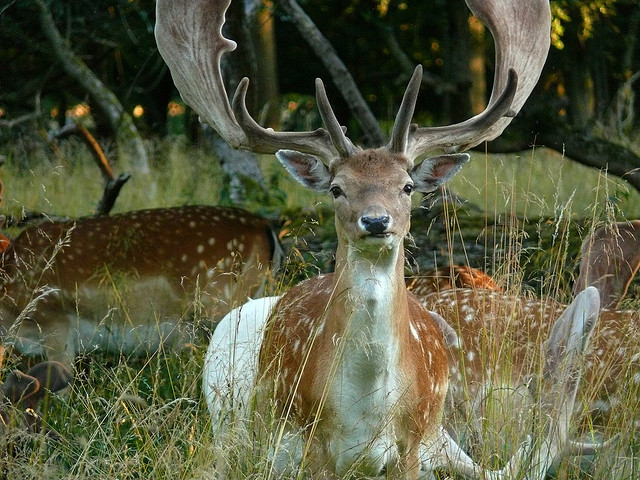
(240, 167)
(578, 82)
(596, 152)
(407, 66)
(242, 174)
(457, 67)
(131, 149)
(341, 77)
(477, 67)
(259, 31)
(631, 40)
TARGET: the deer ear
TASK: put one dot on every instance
(435, 171)
(570, 333)
(307, 169)
(451, 338)
(51, 375)
(19, 386)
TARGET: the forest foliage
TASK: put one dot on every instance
(595, 51)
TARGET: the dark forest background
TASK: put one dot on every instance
(96, 61)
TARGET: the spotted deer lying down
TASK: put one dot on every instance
(499, 351)
(448, 278)
(130, 282)
(610, 258)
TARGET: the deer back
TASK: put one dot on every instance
(136, 268)
(500, 354)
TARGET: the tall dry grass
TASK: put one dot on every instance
(139, 418)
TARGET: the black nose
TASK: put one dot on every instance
(375, 225)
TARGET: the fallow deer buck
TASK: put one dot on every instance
(130, 282)
(352, 361)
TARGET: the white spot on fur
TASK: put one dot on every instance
(414, 332)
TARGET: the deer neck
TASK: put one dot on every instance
(372, 298)
(365, 323)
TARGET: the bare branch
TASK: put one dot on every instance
(338, 71)
(122, 124)
(112, 184)
(18, 120)
(407, 66)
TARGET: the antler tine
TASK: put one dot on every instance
(190, 40)
(522, 44)
(402, 123)
(266, 140)
(344, 146)
(521, 33)
(462, 136)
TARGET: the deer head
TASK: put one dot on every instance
(23, 391)
(189, 38)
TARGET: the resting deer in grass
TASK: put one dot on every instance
(499, 338)
(352, 361)
(20, 393)
(448, 278)
(497, 356)
(129, 282)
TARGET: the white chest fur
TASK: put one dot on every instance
(365, 391)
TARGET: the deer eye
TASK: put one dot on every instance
(336, 191)
(408, 188)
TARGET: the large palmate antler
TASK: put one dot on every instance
(521, 33)
(189, 37)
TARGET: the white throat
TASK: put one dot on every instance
(372, 286)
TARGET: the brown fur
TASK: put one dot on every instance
(144, 264)
(610, 260)
(501, 339)
(298, 317)
(448, 278)
(393, 355)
